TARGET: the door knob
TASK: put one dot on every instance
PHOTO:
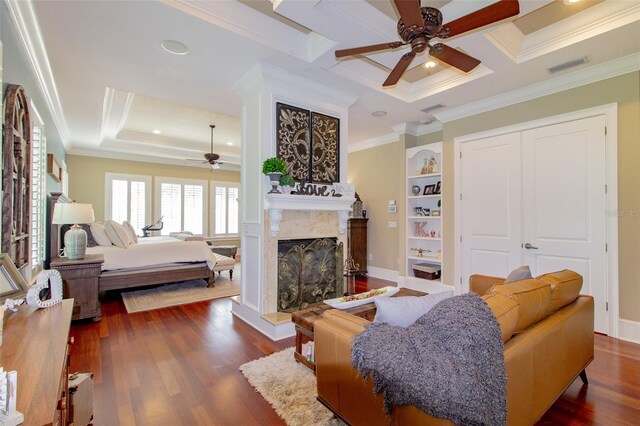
(528, 246)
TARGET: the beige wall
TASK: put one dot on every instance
(623, 90)
(87, 174)
(377, 175)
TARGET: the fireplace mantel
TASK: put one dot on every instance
(276, 203)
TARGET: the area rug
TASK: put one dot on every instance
(181, 293)
(290, 388)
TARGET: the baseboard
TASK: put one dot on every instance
(383, 274)
(629, 330)
(255, 320)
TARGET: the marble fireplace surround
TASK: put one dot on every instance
(297, 217)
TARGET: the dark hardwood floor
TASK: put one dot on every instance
(179, 366)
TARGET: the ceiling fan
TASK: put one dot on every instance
(210, 157)
(419, 25)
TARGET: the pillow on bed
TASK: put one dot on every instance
(117, 233)
(99, 234)
(133, 237)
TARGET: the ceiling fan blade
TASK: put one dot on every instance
(453, 57)
(485, 16)
(410, 12)
(399, 69)
(215, 166)
(366, 49)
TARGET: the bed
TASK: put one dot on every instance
(154, 260)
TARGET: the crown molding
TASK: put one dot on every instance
(406, 128)
(444, 80)
(132, 156)
(24, 18)
(425, 129)
(596, 20)
(115, 110)
(398, 129)
(589, 75)
(374, 142)
(262, 74)
(249, 23)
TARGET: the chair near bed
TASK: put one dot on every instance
(121, 279)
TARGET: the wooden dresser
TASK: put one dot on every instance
(36, 345)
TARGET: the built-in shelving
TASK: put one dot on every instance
(423, 232)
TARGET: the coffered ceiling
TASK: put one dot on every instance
(113, 83)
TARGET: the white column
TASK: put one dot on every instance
(261, 88)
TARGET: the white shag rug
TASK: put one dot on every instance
(290, 388)
(181, 293)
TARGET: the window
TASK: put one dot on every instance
(128, 197)
(38, 172)
(225, 205)
(182, 203)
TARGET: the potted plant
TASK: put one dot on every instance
(274, 168)
(287, 182)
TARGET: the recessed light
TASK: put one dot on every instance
(156, 131)
(229, 143)
(571, 1)
(175, 47)
(379, 113)
(430, 64)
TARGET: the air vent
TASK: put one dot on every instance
(567, 65)
(432, 108)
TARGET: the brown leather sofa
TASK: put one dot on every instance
(548, 334)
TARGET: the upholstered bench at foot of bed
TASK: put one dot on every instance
(223, 263)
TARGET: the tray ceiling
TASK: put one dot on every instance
(113, 84)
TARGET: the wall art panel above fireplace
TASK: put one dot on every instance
(309, 142)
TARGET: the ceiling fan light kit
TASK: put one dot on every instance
(419, 25)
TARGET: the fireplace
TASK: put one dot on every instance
(309, 271)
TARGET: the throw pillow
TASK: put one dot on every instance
(521, 273)
(99, 234)
(117, 233)
(133, 237)
(404, 311)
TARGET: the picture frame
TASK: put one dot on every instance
(429, 189)
(12, 284)
(53, 167)
(437, 190)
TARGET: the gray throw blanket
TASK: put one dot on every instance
(450, 363)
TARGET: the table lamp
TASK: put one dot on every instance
(75, 239)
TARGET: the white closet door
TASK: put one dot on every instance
(564, 204)
(491, 207)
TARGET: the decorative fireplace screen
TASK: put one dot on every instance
(309, 271)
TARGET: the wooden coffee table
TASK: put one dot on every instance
(305, 318)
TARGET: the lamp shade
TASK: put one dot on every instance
(72, 213)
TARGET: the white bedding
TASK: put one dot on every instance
(154, 251)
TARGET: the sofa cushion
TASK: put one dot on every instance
(404, 311)
(565, 288)
(533, 297)
(521, 273)
(506, 310)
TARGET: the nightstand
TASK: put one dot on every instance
(80, 282)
